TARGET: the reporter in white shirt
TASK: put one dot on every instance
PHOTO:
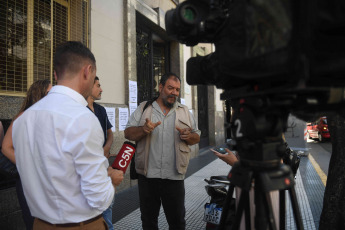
(58, 149)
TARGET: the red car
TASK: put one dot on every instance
(318, 129)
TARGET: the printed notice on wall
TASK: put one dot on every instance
(133, 91)
(123, 118)
(132, 108)
(111, 116)
(187, 88)
(183, 102)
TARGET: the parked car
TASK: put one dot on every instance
(318, 129)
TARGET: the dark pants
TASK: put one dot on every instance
(169, 193)
(26, 214)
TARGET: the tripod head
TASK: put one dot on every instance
(257, 126)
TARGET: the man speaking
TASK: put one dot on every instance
(163, 132)
(58, 148)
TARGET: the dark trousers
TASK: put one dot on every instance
(26, 214)
(170, 193)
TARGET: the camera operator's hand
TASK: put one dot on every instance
(149, 126)
(115, 175)
(229, 158)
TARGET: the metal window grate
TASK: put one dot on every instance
(144, 65)
(41, 40)
(13, 51)
(159, 67)
(60, 26)
(29, 34)
(78, 21)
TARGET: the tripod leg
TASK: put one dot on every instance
(243, 204)
(264, 218)
(226, 207)
(282, 209)
(247, 212)
(296, 212)
(269, 211)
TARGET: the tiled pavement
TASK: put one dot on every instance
(309, 189)
(196, 197)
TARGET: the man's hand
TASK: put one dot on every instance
(188, 136)
(185, 134)
(229, 158)
(115, 175)
(139, 132)
(149, 126)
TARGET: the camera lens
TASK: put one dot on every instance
(188, 14)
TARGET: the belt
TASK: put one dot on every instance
(74, 224)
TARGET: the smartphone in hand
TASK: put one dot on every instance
(220, 150)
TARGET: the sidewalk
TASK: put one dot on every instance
(309, 189)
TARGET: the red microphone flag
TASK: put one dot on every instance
(124, 156)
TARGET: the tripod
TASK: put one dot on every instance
(258, 130)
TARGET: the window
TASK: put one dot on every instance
(152, 56)
(159, 65)
(29, 34)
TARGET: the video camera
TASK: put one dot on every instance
(272, 58)
(290, 51)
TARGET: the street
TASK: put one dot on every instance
(313, 169)
(321, 152)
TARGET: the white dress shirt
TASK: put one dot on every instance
(58, 149)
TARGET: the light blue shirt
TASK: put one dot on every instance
(162, 159)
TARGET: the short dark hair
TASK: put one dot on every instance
(96, 79)
(166, 76)
(69, 57)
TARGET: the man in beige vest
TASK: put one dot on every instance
(163, 132)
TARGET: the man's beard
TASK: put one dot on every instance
(97, 98)
(168, 104)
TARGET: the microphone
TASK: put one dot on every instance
(124, 156)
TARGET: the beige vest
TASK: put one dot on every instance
(182, 150)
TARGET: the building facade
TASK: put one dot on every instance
(130, 43)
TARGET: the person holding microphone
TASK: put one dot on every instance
(66, 179)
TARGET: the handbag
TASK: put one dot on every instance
(132, 172)
(7, 168)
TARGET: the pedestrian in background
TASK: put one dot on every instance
(102, 116)
(66, 179)
(37, 90)
(163, 132)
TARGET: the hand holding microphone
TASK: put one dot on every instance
(121, 162)
(115, 175)
(124, 156)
